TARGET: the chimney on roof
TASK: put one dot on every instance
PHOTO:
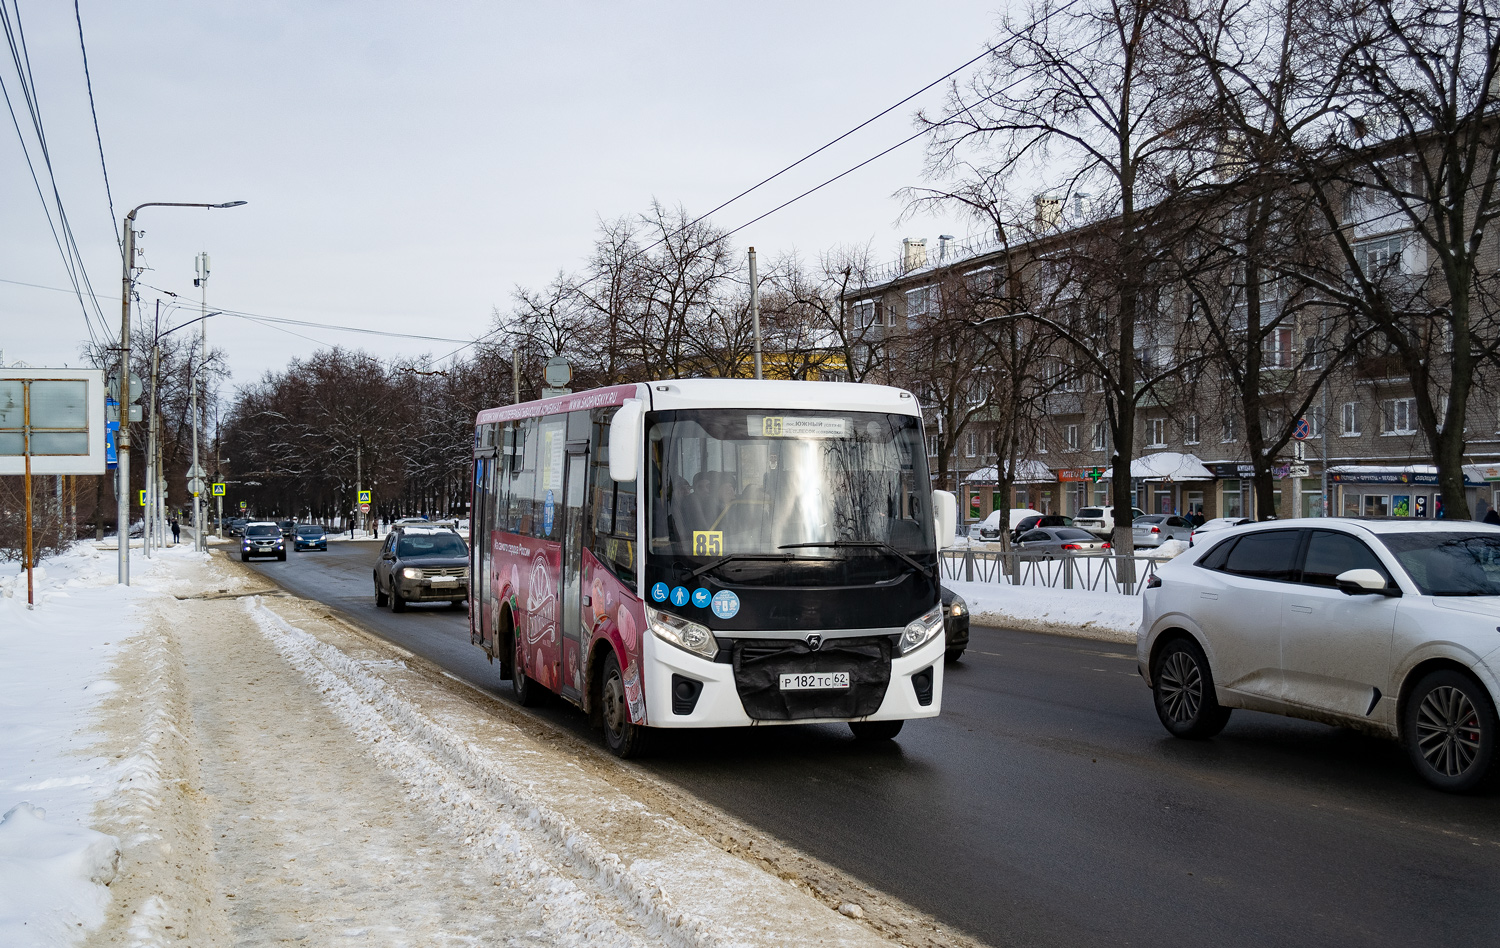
(943, 241)
(1048, 211)
(913, 253)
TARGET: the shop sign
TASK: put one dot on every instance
(1231, 469)
(1069, 474)
(1364, 477)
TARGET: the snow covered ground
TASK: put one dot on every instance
(1083, 613)
(200, 760)
(55, 673)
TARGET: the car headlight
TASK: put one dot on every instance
(683, 633)
(921, 631)
(411, 573)
(958, 607)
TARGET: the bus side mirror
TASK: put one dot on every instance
(625, 437)
(945, 515)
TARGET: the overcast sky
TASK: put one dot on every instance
(408, 165)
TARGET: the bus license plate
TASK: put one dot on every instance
(815, 681)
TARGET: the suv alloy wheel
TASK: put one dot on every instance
(1183, 691)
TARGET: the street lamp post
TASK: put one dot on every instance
(122, 444)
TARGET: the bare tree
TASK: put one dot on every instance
(1086, 99)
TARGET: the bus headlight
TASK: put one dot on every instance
(686, 635)
(921, 631)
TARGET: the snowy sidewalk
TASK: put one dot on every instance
(261, 773)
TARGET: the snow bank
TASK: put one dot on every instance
(55, 663)
(52, 878)
(1079, 612)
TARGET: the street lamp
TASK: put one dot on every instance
(122, 446)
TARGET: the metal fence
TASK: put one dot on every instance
(1107, 573)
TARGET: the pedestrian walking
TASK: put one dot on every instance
(176, 531)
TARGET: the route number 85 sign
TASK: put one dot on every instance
(708, 543)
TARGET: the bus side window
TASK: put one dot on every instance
(523, 476)
(613, 518)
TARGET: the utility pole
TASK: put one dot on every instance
(122, 439)
(755, 312)
(515, 375)
(200, 266)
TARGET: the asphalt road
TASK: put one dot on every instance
(1046, 806)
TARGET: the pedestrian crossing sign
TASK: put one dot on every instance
(364, 497)
(143, 498)
(218, 490)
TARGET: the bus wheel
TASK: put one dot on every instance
(875, 730)
(528, 692)
(623, 738)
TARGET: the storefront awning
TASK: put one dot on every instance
(1168, 466)
(1027, 472)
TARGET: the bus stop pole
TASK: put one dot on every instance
(755, 312)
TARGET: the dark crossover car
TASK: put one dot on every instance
(262, 538)
(288, 527)
(235, 527)
(309, 536)
(955, 624)
(422, 564)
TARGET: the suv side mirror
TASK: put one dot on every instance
(626, 431)
(1362, 582)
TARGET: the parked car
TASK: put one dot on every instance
(989, 527)
(310, 536)
(421, 564)
(1036, 520)
(1156, 529)
(1052, 542)
(262, 538)
(415, 521)
(1218, 523)
(955, 624)
(1100, 521)
(1383, 626)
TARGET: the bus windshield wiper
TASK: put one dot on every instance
(772, 557)
(858, 545)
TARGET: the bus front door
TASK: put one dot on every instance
(571, 618)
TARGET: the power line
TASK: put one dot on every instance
(89, 82)
(886, 111)
(10, 19)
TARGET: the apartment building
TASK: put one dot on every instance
(1357, 449)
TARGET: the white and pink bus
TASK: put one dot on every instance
(712, 553)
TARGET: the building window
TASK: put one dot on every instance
(1276, 348)
(1398, 416)
(1351, 420)
(919, 302)
(1101, 436)
(1314, 418)
(1231, 428)
(1041, 441)
(864, 314)
(1378, 258)
(1190, 430)
(971, 445)
(1070, 437)
(932, 446)
(1158, 433)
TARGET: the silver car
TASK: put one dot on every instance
(1156, 529)
(1053, 542)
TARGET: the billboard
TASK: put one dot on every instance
(56, 416)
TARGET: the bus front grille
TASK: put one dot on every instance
(760, 663)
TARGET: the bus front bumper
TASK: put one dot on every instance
(913, 676)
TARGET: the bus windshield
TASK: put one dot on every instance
(758, 482)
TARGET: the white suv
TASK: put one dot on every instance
(1391, 627)
(1100, 521)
